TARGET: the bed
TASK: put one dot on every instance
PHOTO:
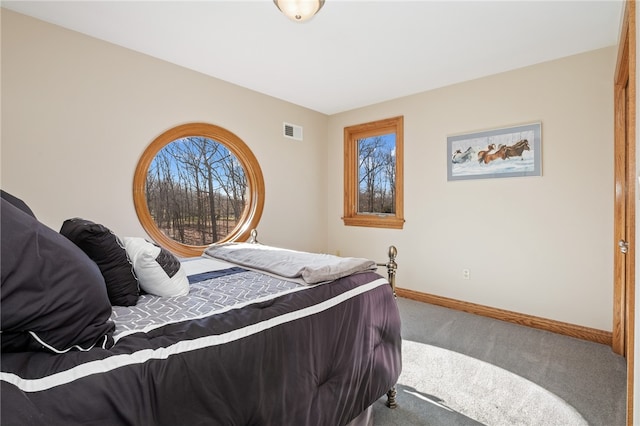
(261, 335)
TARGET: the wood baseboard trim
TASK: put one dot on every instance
(572, 330)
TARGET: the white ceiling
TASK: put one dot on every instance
(352, 53)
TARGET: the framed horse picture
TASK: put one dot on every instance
(505, 152)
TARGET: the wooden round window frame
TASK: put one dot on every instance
(252, 211)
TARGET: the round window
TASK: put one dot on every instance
(198, 184)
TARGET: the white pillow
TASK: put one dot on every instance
(159, 272)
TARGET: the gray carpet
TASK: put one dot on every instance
(463, 369)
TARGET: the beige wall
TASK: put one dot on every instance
(77, 113)
(536, 245)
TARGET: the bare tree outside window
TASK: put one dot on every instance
(376, 174)
(196, 190)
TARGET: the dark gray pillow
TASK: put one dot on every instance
(106, 249)
(17, 202)
(52, 295)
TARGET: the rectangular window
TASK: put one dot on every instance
(373, 174)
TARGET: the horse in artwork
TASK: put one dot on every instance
(517, 148)
(490, 156)
(461, 157)
(503, 152)
(483, 153)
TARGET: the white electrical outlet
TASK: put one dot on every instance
(466, 274)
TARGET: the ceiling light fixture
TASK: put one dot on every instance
(299, 10)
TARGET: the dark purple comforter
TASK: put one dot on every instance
(315, 357)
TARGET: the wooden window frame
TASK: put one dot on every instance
(351, 190)
(255, 202)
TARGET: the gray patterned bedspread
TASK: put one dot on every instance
(215, 287)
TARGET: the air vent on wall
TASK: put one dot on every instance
(292, 131)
